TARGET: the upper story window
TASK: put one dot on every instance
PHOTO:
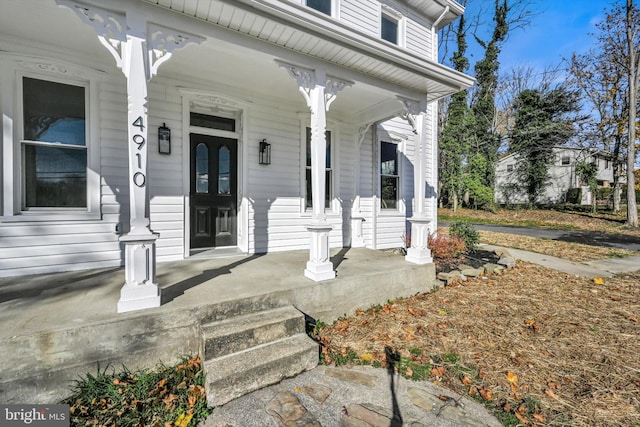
(566, 160)
(54, 144)
(389, 28)
(391, 25)
(509, 168)
(323, 6)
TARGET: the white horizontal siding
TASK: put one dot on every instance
(275, 192)
(390, 231)
(38, 247)
(418, 36)
(367, 186)
(363, 15)
(165, 172)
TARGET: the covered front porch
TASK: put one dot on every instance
(59, 326)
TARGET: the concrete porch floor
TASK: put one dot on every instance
(58, 326)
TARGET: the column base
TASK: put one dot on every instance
(319, 272)
(140, 290)
(319, 266)
(139, 297)
(419, 252)
(417, 256)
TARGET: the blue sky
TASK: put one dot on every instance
(559, 28)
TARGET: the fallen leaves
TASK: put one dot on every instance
(466, 380)
(438, 371)
(486, 393)
(528, 333)
(532, 324)
(511, 377)
(551, 394)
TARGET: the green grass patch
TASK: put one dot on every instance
(173, 395)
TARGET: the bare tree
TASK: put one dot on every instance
(608, 78)
(633, 72)
(603, 83)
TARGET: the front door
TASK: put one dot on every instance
(213, 191)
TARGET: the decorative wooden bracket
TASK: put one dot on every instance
(114, 29)
(411, 110)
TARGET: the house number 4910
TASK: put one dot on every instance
(138, 178)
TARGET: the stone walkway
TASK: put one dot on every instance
(359, 396)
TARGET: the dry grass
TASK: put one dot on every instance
(540, 346)
(608, 223)
(567, 250)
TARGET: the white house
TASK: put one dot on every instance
(136, 131)
(562, 176)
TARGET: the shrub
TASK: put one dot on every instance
(466, 233)
(574, 195)
(173, 395)
(445, 247)
(604, 194)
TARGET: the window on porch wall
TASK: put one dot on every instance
(389, 175)
(54, 145)
(328, 192)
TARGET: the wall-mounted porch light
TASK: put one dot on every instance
(164, 139)
(264, 156)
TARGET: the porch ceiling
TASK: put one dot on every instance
(243, 37)
(305, 31)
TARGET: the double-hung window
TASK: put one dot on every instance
(389, 28)
(389, 175)
(391, 25)
(54, 144)
(328, 191)
(323, 6)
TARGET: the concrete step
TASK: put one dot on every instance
(242, 332)
(237, 374)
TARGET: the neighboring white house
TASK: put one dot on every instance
(562, 176)
(136, 131)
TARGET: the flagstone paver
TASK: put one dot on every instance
(351, 397)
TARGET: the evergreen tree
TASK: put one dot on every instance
(486, 143)
(454, 142)
(543, 120)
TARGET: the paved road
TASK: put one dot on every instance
(594, 238)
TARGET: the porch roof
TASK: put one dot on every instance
(242, 39)
(313, 34)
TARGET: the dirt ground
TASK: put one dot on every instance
(537, 346)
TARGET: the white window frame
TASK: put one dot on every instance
(398, 175)
(14, 69)
(392, 14)
(333, 208)
(335, 8)
(400, 140)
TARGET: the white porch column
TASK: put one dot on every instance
(319, 91)
(418, 252)
(138, 48)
